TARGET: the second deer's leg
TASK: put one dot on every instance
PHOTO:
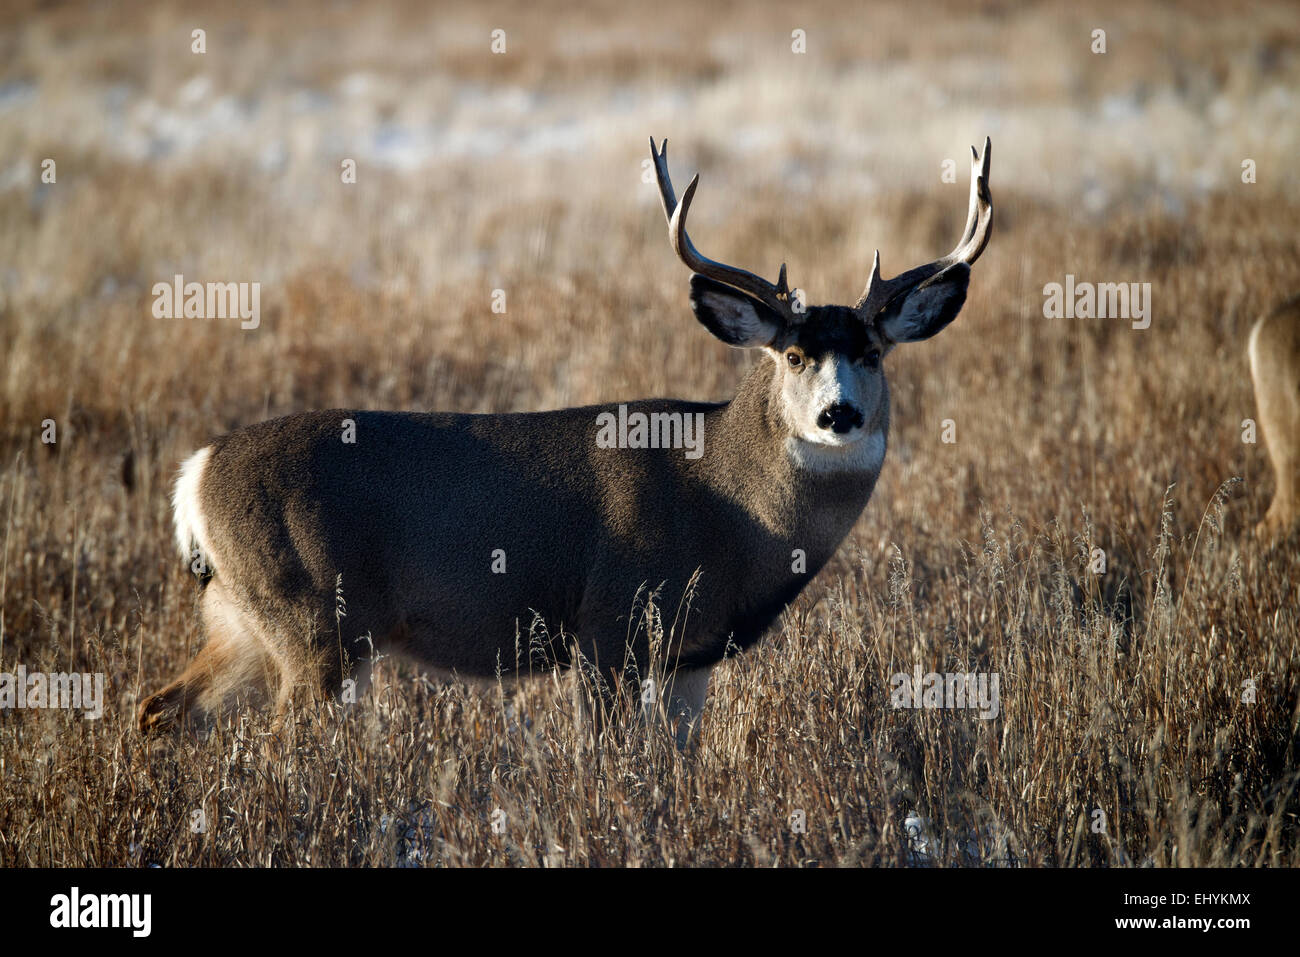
(1275, 368)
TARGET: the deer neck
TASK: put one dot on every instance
(756, 468)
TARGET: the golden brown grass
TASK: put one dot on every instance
(1121, 691)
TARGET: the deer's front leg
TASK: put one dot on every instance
(679, 703)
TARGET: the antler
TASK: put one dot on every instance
(775, 296)
(979, 222)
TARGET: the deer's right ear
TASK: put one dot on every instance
(732, 316)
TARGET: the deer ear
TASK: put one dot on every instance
(925, 309)
(732, 316)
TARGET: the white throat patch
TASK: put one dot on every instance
(865, 455)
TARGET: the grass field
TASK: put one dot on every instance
(522, 171)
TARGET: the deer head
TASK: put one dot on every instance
(828, 381)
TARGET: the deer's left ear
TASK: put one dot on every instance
(926, 309)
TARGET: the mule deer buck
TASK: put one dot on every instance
(1275, 368)
(453, 534)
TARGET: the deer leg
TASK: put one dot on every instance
(233, 659)
(678, 708)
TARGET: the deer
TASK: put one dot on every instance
(454, 535)
(1274, 350)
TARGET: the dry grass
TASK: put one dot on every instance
(523, 172)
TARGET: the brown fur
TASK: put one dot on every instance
(410, 514)
(289, 507)
(233, 659)
(1275, 368)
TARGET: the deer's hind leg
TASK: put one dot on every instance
(324, 655)
(235, 659)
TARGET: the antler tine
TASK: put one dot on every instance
(980, 216)
(776, 296)
(979, 226)
(667, 198)
(782, 289)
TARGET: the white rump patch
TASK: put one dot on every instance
(191, 525)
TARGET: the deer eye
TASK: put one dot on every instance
(795, 360)
(872, 358)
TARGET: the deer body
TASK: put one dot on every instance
(454, 534)
(405, 516)
(1275, 368)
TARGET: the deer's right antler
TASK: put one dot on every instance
(775, 296)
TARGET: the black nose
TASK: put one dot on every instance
(840, 417)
